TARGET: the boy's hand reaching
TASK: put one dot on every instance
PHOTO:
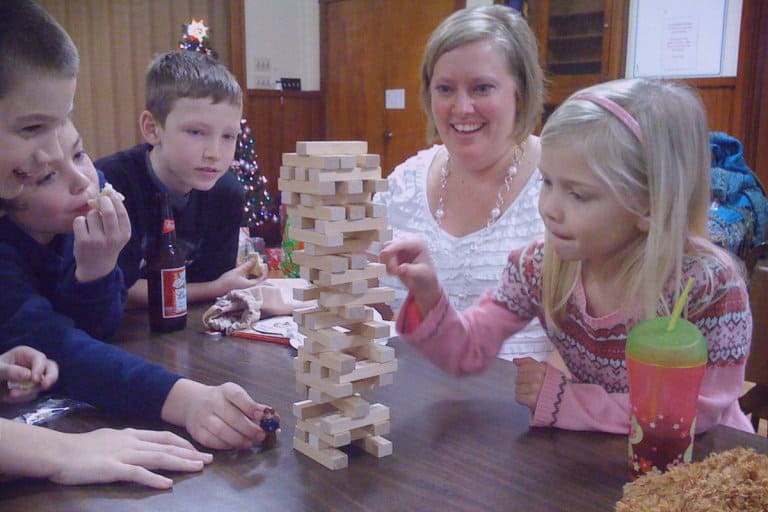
(25, 371)
(239, 277)
(99, 237)
(529, 380)
(221, 417)
(409, 260)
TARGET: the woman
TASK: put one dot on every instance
(474, 198)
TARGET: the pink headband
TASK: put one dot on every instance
(615, 109)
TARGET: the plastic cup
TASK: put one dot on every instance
(665, 370)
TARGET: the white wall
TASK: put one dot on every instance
(282, 39)
(652, 43)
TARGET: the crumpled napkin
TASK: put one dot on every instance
(240, 309)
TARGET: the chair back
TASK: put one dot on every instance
(757, 265)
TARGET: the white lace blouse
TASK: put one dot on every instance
(468, 265)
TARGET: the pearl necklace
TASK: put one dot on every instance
(495, 213)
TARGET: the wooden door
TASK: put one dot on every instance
(367, 47)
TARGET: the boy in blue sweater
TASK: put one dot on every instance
(58, 297)
(191, 122)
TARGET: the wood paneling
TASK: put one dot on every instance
(751, 105)
(368, 46)
(116, 40)
(278, 119)
(718, 96)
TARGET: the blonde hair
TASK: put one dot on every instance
(666, 178)
(514, 37)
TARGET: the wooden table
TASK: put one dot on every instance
(459, 444)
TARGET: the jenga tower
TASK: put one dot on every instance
(328, 187)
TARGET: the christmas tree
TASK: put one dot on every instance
(259, 206)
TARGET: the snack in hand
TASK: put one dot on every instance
(106, 191)
(26, 385)
(259, 268)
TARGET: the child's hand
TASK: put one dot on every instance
(409, 260)
(99, 237)
(221, 417)
(25, 371)
(239, 278)
(108, 455)
(529, 380)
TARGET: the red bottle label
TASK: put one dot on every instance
(174, 283)
(168, 226)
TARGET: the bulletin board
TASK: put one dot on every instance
(680, 38)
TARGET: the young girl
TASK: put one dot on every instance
(625, 169)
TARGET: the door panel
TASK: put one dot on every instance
(369, 46)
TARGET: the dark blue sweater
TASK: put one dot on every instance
(207, 222)
(43, 306)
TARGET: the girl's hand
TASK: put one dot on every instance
(108, 455)
(409, 260)
(27, 371)
(529, 380)
(99, 237)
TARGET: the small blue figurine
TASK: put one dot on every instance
(270, 424)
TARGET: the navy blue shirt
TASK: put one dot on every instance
(43, 306)
(207, 222)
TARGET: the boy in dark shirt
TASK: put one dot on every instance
(191, 123)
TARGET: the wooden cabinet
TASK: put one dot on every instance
(581, 43)
(277, 120)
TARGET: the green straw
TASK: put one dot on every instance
(679, 304)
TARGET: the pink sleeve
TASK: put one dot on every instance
(571, 406)
(460, 342)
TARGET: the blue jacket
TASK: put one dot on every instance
(739, 213)
(43, 306)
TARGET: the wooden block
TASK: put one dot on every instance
(309, 274)
(286, 172)
(329, 388)
(331, 227)
(334, 339)
(372, 296)
(318, 212)
(374, 352)
(337, 361)
(348, 246)
(300, 173)
(320, 161)
(320, 319)
(373, 330)
(318, 438)
(381, 235)
(354, 287)
(353, 406)
(368, 160)
(365, 370)
(354, 212)
(348, 187)
(335, 423)
(289, 198)
(375, 210)
(356, 261)
(331, 458)
(360, 313)
(375, 445)
(304, 235)
(308, 409)
(329, 263)
(331, 147)
(373, 186)
(309, 293)
(306, 187)
(336, 199)
(338, 175)
(300, 315)
(361, 386)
